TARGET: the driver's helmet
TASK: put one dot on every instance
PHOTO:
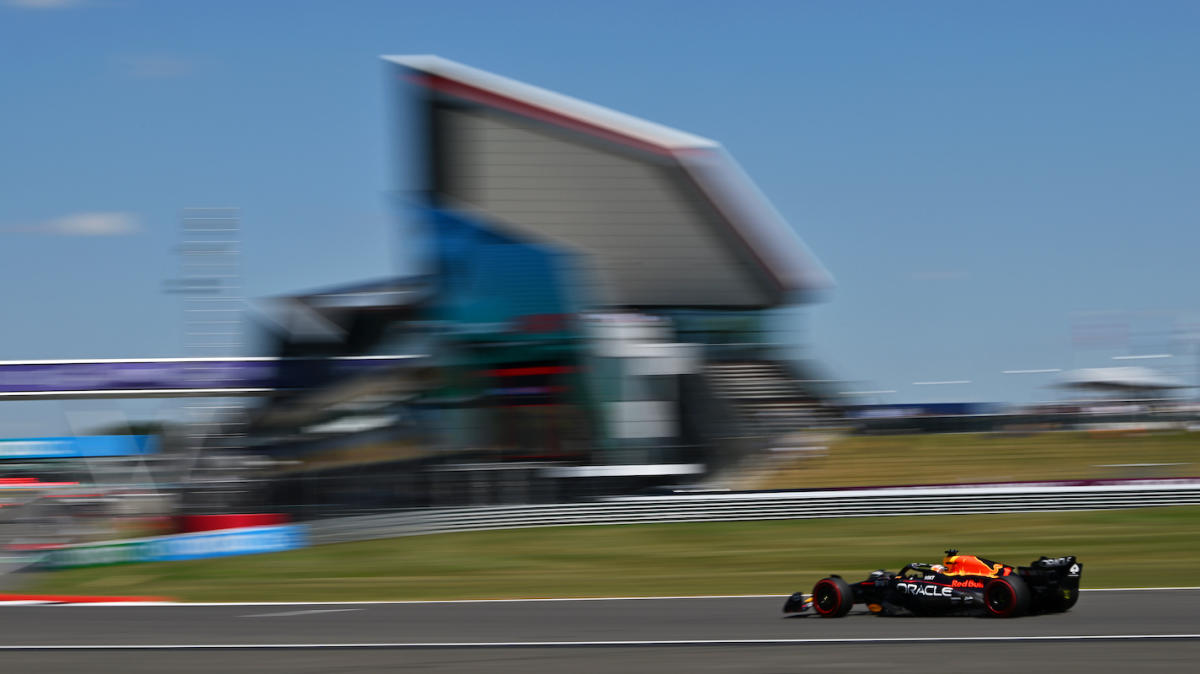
(938, 568)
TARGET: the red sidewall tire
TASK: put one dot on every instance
(1006, 597)
(832, 598)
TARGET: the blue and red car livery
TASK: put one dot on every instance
(959, 585)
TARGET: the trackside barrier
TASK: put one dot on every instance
(756, 506)
(226, 542)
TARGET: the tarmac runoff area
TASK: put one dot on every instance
(1108, 631)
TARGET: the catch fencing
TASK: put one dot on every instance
(940, 501)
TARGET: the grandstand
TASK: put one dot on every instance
(599, 292)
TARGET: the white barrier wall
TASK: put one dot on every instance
(940, 501)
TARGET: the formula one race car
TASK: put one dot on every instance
(960, 585)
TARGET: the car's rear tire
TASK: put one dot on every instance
(1006, 597)
(832, 597)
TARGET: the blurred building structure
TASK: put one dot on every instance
(598, 292)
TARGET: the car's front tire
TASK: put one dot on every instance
(832, 597)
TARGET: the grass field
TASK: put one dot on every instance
(989, 457)
(1119, 548)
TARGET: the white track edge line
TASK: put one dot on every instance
(570, 644)
(428, 601)
(502, 601)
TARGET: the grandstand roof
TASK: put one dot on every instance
(1119, 379)
(379, 293)
(664, 218)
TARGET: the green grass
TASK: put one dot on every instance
(1144, 547)
(990, 457)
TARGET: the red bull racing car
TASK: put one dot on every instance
(960, 585)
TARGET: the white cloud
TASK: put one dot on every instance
(93, 224)
(44, 4)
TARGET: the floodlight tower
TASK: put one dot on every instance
(210, 282)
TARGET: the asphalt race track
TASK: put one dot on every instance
(1108, 631)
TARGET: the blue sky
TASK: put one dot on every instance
(979, 177)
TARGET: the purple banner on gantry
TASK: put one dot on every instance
(165, 375)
